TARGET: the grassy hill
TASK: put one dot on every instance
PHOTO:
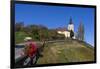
(66, 51)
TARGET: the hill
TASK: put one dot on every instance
(66, 51)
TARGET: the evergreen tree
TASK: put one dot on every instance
(71, 34)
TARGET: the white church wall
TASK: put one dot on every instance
(71, 27)
(60, 32)
(67, 34)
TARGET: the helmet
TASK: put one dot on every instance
(27, 38)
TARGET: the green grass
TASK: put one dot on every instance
(19, 37)
(65, 52)
(62, 52)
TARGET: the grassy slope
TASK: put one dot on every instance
(68, 51)
(19, 37)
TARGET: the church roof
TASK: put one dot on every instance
(61, 29)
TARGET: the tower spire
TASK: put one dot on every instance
(70, 21)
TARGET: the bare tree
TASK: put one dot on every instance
(19, 26)
(80, 33)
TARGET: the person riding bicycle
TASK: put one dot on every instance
(30, 50)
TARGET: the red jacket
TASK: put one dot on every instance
(32, 50)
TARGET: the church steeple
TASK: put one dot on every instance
(70, 21)
(71, 25)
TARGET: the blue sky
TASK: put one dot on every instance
(57, 16)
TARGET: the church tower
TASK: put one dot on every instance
(71, 25)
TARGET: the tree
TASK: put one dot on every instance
(43, 34)
(80, 33)
(19, 26)
(71, 34)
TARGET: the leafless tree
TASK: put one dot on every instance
(80, 33)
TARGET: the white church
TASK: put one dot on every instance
(66, 32)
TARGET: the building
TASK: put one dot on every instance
(66, 31)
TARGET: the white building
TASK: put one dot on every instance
(66, 31)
